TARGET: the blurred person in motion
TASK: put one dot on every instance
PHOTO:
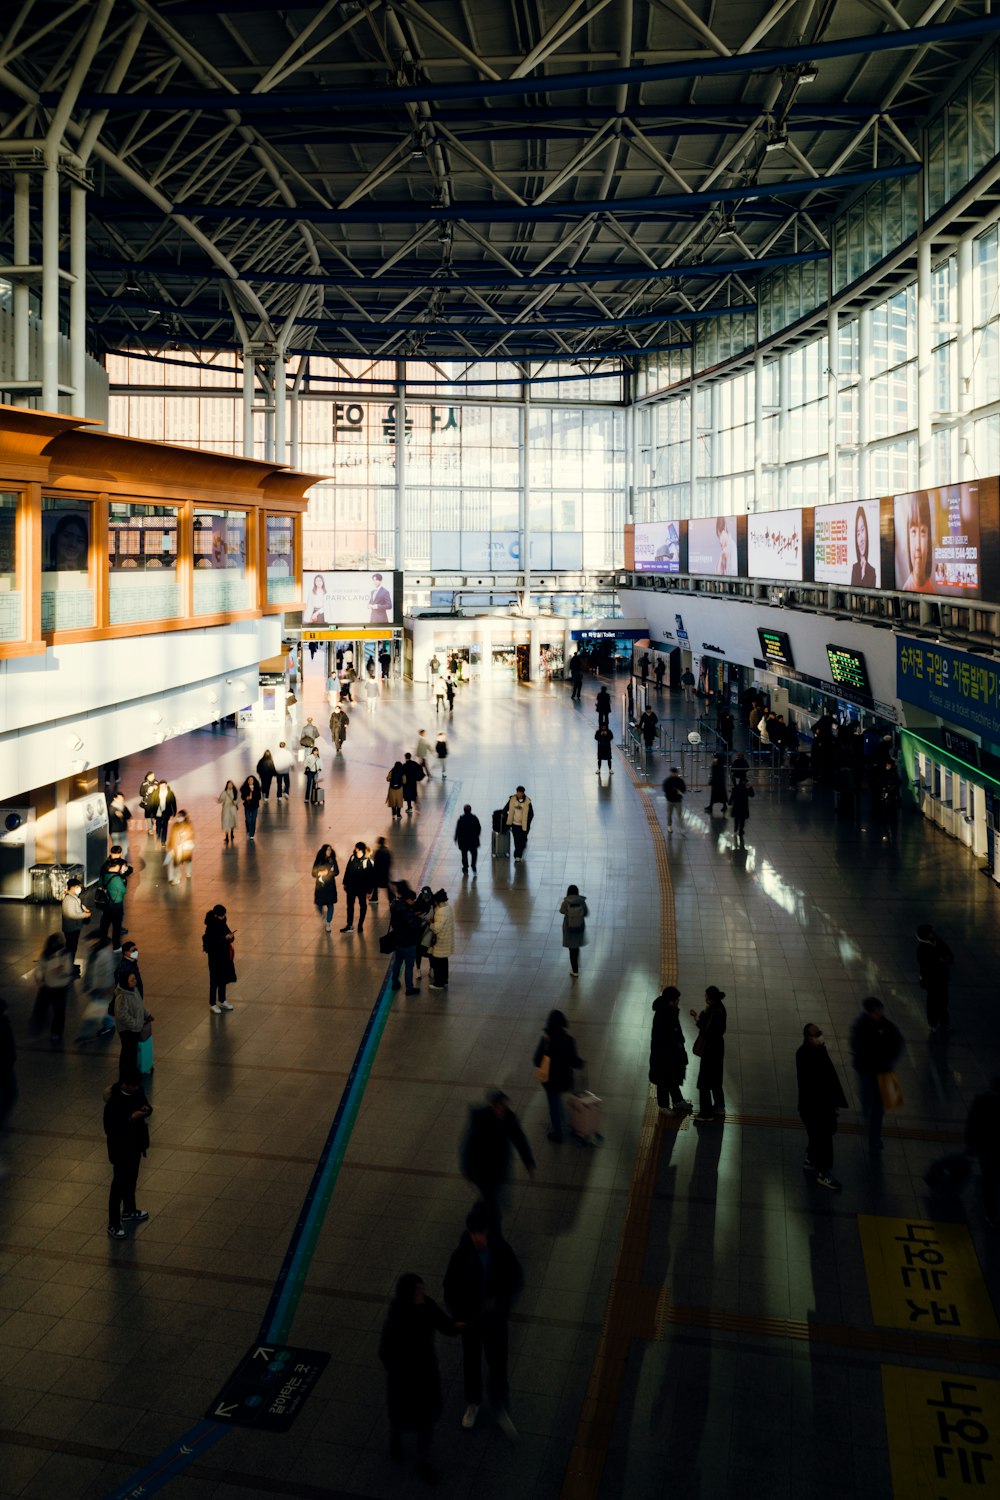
(820, 1097)
(412, 1378)
(559, 1048)
(934, 961)
(481, 1284)
(982, 1139)
(381, 870)
(492, 1136)
(876, 1045)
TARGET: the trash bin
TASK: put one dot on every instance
(41, 883)
(61, 875)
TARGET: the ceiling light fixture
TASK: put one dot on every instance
(809, 74)
(776, 142)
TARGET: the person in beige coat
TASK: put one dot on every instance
(180, 848)
(442, 925)
(229, 803)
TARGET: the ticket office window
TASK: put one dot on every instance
(282, 584)
(11, 598)
(67, 585)
(142, 556)
(221, 585)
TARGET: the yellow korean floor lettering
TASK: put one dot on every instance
(943, 1432)
(925, 1276)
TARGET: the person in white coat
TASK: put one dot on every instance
(283, 762)
(442, 924)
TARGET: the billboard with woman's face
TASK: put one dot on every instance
(712, 547)
(937, 542)
(351, 599)
(846, 547)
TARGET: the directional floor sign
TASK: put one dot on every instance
(269, 1387)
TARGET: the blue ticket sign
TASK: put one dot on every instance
(961, 688)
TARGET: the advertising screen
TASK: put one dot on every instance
(848, 669)
(712, 547)
(846, 546)
(776, 648)
(937, 542)
(352, 599)
(774, 545)
(657, 546)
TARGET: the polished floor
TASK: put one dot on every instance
(698, 1320)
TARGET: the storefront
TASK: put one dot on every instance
(489, 648)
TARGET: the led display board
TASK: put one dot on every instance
(848, 669)
(776, 648)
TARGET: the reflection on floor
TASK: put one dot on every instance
(759, 1360)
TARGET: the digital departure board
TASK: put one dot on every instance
(847, 668)
(776, 648)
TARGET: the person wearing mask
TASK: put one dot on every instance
(481, 1285)
(339, 721)
(126, 1113)
(217, 943)
(468, 831)
(520, 815)
(266, 772)
(394, 796)
(413, 774)
(876, 1046)
(573, 910)
(147, 799)
(492, 1136)
(820, 1097)
(442, 925)
(740, 798)
(406, 926)
(422, 752)
(603, 705)
(166, 808)
(934, 961)
(229, 805)
(128, 964)
(441, 751)
(53, 975)
(381, 870)
(180, 848)
(982, 1139)
(74, 917)
(113, 882)
(131, 1019)
(668, 1059)
(359, 877)
(673, 789)
(556, 1056)
(710, 1047)
(412, 1378)
(324, 872)
(717, 784)
(251, 796)
(312, 768)
(118, 821)
(283, 763)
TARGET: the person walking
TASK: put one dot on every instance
(687, 683)
(283, 763)
(648, 726)
(412, 1378)
(126, 1113)
(876, 1045)
(573, 910)
(820, 1097)
(309, 736)
(371, 694)
(131, 1017)
(217, 942)
(717, 784)
(324, 872)
(934, 960)
(413, 772)
(449, 692)
(313, 768)
(147, 800)
(99, 988)
(710, 1047)
(406, 926)
(381, 870)
(229, 804)
(481, 1284)
(359, 879)
(339, 720)
(605, 740)
(118, 821)
(982, 1139)
(251, 796)
(440, 695)
(468, 831)
(53, 974)
(267, 773)
(422, 752)
(673, 789)
(520, 815)
(74, 917)
(668, 1059)
(492, 1136)
(603, 705)
(556, 1057)
(8, 1073)
(113, 882)
(166, 808)
(740, 799)
(442, 926)
(441, 751)
(658, 672)
(576, 676)
(180, 848)
(394, 796)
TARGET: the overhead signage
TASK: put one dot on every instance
(848, 668)
(846, 546)
(960, 745)
(777, 648)
(957, 686)
(269, 1388)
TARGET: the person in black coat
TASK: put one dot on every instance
(493, 1134)
(468, 830)
(251, 795)
(740, 798)
(267, 773)
(603, 706)
(412, 773)
(820, 1096)
(668, 1057)
(711, 1048)
(559, 1047)
(648, 725)
(412, 1379)
(217, 943)
(324, 872)
(481, 1283)
(359, 881)
(381, 870)
(876, 1045)
(982, 1138)
(717, 784)
(126, 1111)
(934, 960)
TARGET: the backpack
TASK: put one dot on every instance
(574, 914)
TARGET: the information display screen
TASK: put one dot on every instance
(774, 545)
(937, 542)
(352, 599)
(712, 547)
(776, 648)
(846, 547)
(657, 546)
(848, 669)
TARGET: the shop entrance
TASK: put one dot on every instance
(524, 663)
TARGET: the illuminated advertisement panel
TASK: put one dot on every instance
(846, 547)
(712, 547)
(657, 546)
(937, 542)
(774, 545)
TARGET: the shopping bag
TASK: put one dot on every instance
(892, 1094)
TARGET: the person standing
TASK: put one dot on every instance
(381, 870)
(442, 925)
(468, 831)
(673, 789)
(217, 942)
(180, 848)
(644, 668)
(412, 1379)
(605, 740)
(717, 784)
(118, 821)
(406, 926)
(687, 683)
(251, 796)
(371, 693)
(576, 676)
(128, 964)
(147, 799)
(982, 1138)
(422, 752)
(820, 1097)
(312, 767)
(339, 720)
(492, 1136)
(573, 910)
(74, 917)
(876, 1045)
(668, 1057)
(166, 808)
(309, 736)
(559, 1047)
(441, 750)
(8, 1074)
(266, 772)
(229, 805)
(658, 672)
(481, 1284)
(324, 872)
(934, 960)
(711, 1049)
(283, 763)
(397, 785)
(113, 881)
(131, 1017)
(520, 815)
(359, 878)
(603, 705)
(740, 798)
(413, 772)
(126, 1113)
(440, 692)
(53, 975)
(648, 725)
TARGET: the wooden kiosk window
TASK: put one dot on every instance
(11, 594)
(282, 582)
(221, 577)
(143, 553)
(67, 583)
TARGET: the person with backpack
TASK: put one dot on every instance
(110, 895)
(574, 929)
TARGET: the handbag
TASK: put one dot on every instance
(147, 1028)
(699, 1045)
(541, 1070)
(387, 943)
(889, 1088)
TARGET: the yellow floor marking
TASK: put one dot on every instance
(943, 1433)
(925, 1277)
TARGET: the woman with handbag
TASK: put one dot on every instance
(324, 872)
(394, 796)
(442, 946)
(133, 1023)
(555, 1058)
(710, 1047)
(217, 942)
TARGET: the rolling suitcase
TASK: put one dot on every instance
(319, 797)
(583, 1114)
(501, 844)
